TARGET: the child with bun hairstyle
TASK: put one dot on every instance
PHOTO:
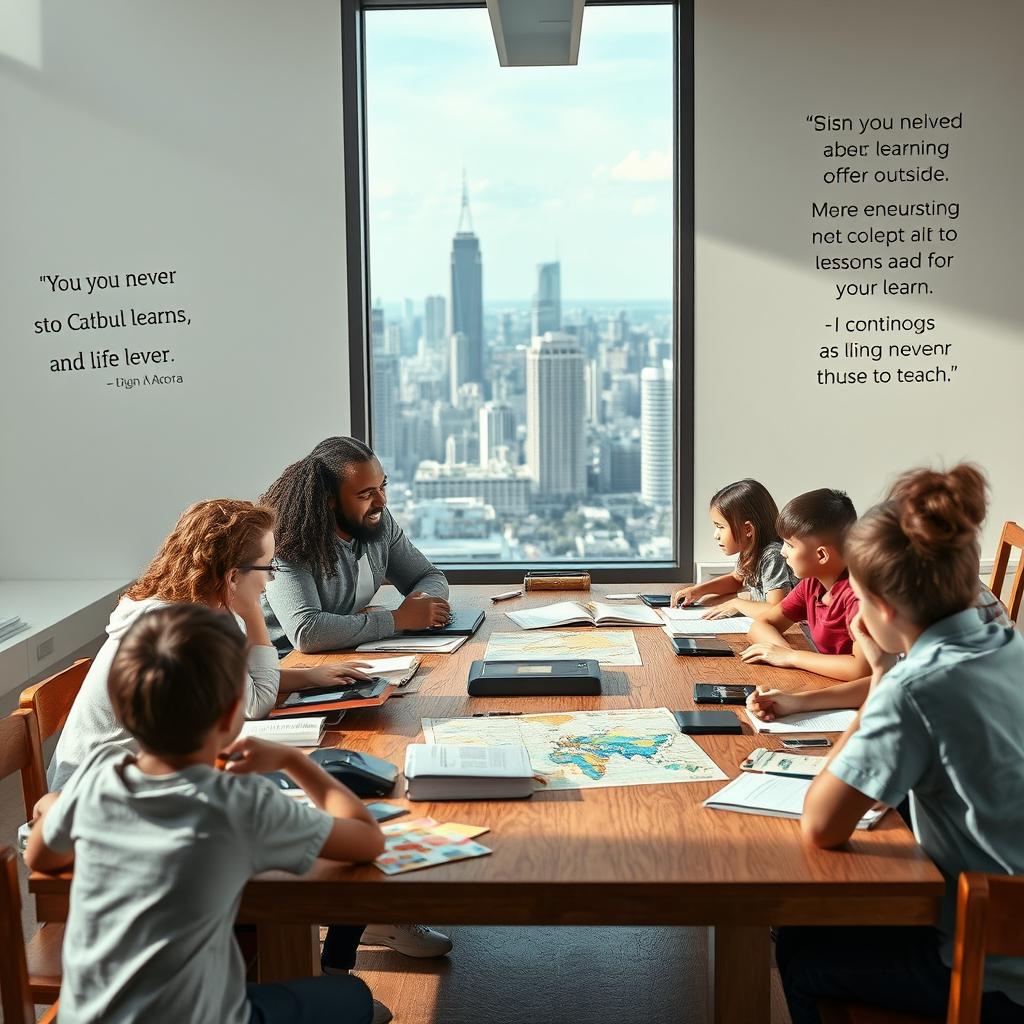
(743, 515)
(944, 724)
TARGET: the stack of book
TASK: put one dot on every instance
(9, 625)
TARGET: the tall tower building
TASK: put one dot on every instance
(377, 328)
(547, 300)
(458, 366)
(656, 435)
(434, 321)
(555, 408)
(497, 430)
(467, 290)
(386, 383)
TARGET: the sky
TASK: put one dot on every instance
(573, 163)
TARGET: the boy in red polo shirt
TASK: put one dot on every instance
(812, 527)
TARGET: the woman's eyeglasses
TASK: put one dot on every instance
(272, 568)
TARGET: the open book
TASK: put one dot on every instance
(774, 796)
(295, 732)
(585, 613)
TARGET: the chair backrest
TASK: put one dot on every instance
(15, 997)
(988, 914)
(51, 699)
(1012, 537)
(21, 751)
(50, 702)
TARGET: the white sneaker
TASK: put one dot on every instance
(409, 939)
(381, 1014)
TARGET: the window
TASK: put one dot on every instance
(521, 283)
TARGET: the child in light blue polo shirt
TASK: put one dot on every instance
(944, 725)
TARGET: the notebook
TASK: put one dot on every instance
(462, 623)
(293, 732)
(585, 613)
(773, 796)
(414, 645)
(806, 721)
(440, 772)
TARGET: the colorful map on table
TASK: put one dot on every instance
(615, 647)
(584, 749)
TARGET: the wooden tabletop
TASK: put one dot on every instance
(562, 857)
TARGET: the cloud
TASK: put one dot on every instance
(656, 166)
(644, 207)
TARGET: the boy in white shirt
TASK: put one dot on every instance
(163, 842)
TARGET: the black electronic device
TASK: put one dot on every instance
(344, 689)
(708, 723)
(721, 693)
(364, 774)
(701, 647)
(462, 623)
(657, 600)
(571, 677)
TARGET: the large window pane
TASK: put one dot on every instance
(521, 266)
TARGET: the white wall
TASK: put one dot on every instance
(148, 135)
(760, 304)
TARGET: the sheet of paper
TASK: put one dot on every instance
(387, 666)
(612, 647)
(806, 721)
(708, 627)
(416, 644)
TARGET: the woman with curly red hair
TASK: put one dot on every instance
(219, 554)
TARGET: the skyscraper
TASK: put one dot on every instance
(434, 321)
(377, 328)
(467, 290)
(385, 376)
(555, 407)
(547, 300)
(656, 435)
(497, 431)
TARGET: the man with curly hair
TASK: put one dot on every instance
(336, 544)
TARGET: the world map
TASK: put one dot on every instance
(584, 749)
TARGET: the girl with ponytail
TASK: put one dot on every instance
(943, 724)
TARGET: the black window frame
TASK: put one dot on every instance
(681, 568)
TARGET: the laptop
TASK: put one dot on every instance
(462, 623)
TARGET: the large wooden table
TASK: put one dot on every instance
(640, 855)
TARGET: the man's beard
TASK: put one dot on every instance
(359, 529)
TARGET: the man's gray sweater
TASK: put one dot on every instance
(319, 614)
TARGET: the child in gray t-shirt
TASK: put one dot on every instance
(163, 842)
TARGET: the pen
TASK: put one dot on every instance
(495, 714)
(507, 596)
(621, 597)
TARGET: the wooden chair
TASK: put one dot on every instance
(16, 998)
(1012, 537)
(34, 970)
(989, 909)
(51, 702)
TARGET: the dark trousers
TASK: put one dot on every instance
(343, 999)
(340, 946)
(893, 968)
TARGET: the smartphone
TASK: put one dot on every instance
(721, 693)
(810, 741)
(657, 600)
(385, 812)
(701, 647)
